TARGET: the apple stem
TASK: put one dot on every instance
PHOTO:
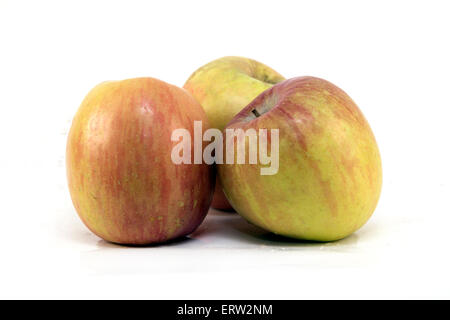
(256, 113)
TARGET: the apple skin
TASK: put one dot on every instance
(329, 178)
(219, 200)
(122, 181)
(224, 87)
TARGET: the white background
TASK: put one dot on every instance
(391, 57)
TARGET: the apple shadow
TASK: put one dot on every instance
(245, 231)
(74, 230)
(169, 243)
(228, 211)
(257, 235)
(224, 225)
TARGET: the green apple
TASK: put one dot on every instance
(224, 87)
(329, 176)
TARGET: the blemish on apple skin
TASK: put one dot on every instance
(180, 204)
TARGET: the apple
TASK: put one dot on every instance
(224, 87)
(122, 181)
(329, 178)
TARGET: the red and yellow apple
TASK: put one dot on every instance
(224, 87)
(122, 181)
(329, 176)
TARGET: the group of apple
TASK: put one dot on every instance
(127, 190)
